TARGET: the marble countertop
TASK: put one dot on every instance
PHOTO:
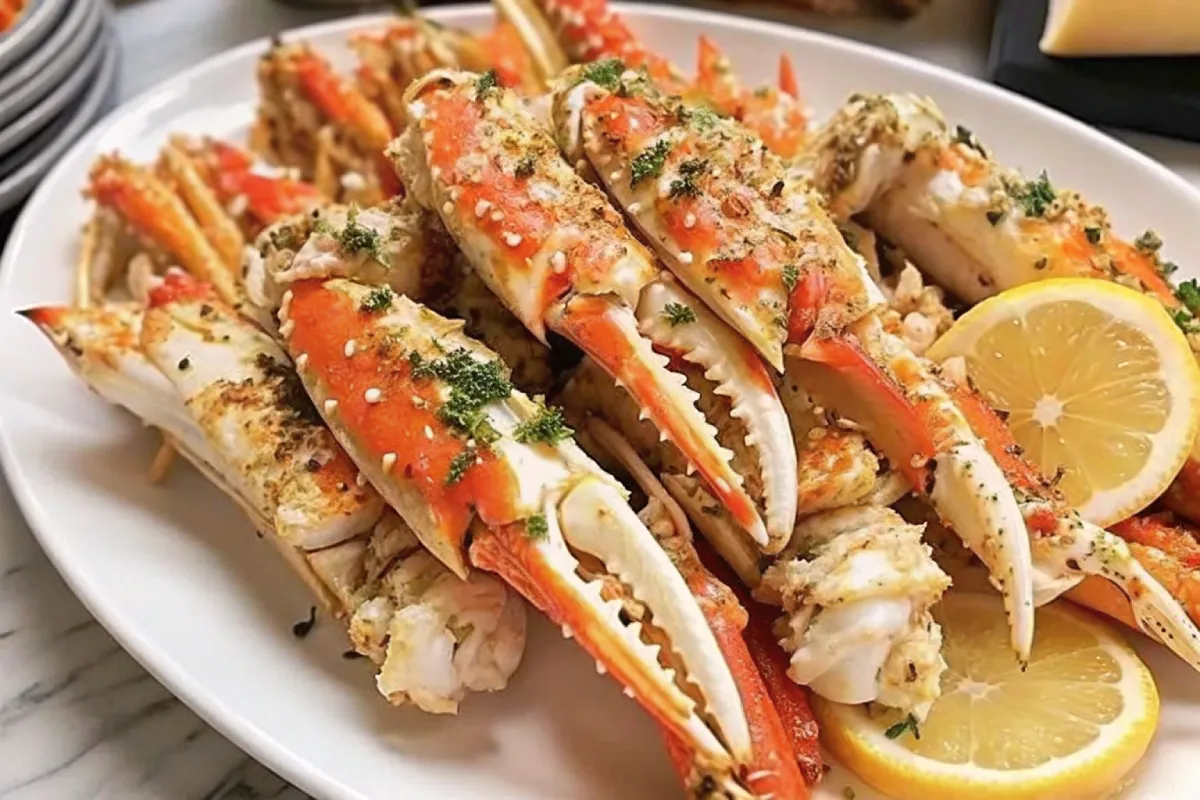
(78, 716)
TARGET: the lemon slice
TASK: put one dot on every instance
(1098, 381)
(1070, 726)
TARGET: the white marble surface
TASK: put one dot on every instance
(78, 717)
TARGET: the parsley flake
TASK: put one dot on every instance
(1188, 293)
(606, 72)
(1168, 268)
(649, 162)
(355, 238)
(459, 466)
(909, 723)
(473, 385)
(1093, 234)
(537, 527)
(678, 314)
(1148, 243)
(546, 427)
(689, 171)
(791, 276)
(377, 300)
(486, 83)
(964, 136)
(1035, 196)
(704, 119)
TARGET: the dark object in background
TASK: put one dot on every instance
(1157, 95)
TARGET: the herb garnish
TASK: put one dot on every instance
(486, 82)
(685, 185)
(1168, 268)
(1093, 234)
(703, 118)
(354, 238)
(537, 527)
(1035, 196)
(283, 238)
(459, 465)
(546, 427)
(909, 723)
(606, 72)
(526, 166)
(1188, 293)
(304, 626)
(1148, 243)
(473, 384)
(649, 162)
(377, 300)
(678, 314)
(791, 276)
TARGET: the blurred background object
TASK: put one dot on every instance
(58, 69)
(1155, 94)
(897, 8)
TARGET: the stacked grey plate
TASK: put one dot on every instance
(58, 71)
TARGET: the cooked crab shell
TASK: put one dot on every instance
(485, 476)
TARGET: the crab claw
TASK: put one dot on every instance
(908, 415)
(1067, 549)
(558, 255)
(157, 214)
(234, 174)
(740, 375)
(485, 476)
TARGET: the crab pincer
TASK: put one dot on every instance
(486, 478)
(556, 253)
(736, 226)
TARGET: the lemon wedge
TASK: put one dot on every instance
(1098, 382)
(1070, 726)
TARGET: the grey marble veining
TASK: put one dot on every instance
(79, 718)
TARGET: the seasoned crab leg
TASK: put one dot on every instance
(308, 115)
(754, 244)
(772, 770)
(485, 477)
(159, 216)
(433, 635)
(549, 245)
(1067, 549)
(977, 227)
(590, 31)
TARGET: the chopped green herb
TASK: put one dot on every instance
(486, 82)
(1035, 196)
(678, 314)
(689, 171)
(459, 466)
(473, 385)
(1188, 293)
(377, 300)
(704, 119)
(1093, 234)
(1168, 268)
(284, 238)
(355, 238)
(994, 216)
(1184, 319)
(791, 276)
(322, 226)
(537, 527)
(909, 723)
(649, 162)
(606, 72)
(526, 166)
(546, 427)
(1148, 242)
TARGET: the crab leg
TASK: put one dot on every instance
(772, 770)
(433, 636)
(1066, 549)
(753, 243)
(975, 226)
(590, 31)
(484, 477)
(298, 88)
(158, 215)
(548, 244)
